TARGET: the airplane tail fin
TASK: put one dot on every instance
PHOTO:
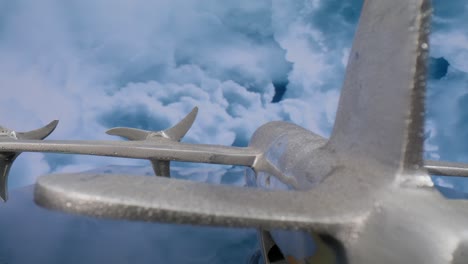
(381, 109)
(175, 133)
(7, 158)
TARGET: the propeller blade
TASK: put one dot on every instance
(7, 157)
(128, 133)
(175, 133)
(40, 133)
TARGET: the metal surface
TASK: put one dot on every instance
(446, 168)
(366, 188)
(170, 200)
(380, 115)
(138, 150)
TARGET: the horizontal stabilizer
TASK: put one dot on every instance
(157, 199)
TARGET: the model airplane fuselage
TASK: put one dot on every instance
(362, 196)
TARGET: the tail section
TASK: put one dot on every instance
(381, 110)
(175, 133)
(7, 158)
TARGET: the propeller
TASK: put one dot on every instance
(7, 158)
(173, 134)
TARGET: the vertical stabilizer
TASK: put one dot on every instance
(381, 110)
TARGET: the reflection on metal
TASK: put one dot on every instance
(366, 191)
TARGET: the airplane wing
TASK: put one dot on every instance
(436, 167)
(160, 151)
(175, 151)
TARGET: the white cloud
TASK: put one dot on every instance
(453, 46)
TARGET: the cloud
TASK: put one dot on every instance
(145, 64)
(447, 115)
(447, 95)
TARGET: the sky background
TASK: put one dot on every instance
(96, 64)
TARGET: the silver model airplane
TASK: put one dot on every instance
(364, 195)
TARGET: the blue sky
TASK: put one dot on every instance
(99, 64)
